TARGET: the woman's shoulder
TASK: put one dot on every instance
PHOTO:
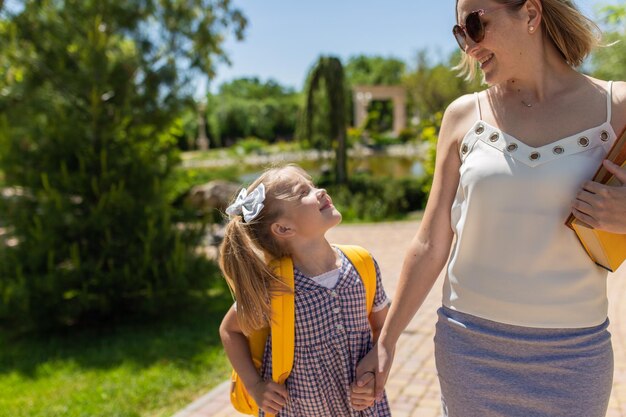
(619, 95)
(619, 105)
(618, 100)
(618, 89)
(460, 116)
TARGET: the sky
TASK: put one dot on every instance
(285, 37)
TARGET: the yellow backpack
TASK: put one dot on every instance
(283, 326)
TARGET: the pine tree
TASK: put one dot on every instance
(89, 94)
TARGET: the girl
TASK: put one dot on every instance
(283, 214)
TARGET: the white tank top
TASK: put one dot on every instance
(514, 261)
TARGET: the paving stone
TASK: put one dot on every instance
(413, 388)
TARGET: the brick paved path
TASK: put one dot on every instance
(413, 389)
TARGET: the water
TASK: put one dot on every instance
(377, 165)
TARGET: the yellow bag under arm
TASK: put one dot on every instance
(283, 325)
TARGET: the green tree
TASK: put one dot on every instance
(327, 75)
(433, 86)
(89, 96)
(249, 107)
(609, 62)
(374, 70)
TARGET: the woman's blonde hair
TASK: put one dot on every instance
(573, 34)
(249, 247)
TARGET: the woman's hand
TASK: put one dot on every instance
(377, 362)
(385, 359)
(603, 206)
(269, 396)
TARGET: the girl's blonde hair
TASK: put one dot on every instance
(573, 34)
(249, 247)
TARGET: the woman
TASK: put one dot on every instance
(523, 327)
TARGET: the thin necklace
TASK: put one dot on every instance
(528, 105)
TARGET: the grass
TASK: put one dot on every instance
(130, 370)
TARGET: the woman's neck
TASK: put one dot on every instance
(314, 258)
(544, 75)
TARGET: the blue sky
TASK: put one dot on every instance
(285, 37)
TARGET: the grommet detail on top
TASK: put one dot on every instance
(494, 137)
(512, 147)
(479, 129)
(534, 156)
(557, 150)
(464, 148)
(583, 141)
(604, 136)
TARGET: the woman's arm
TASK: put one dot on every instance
(269, 396)
(604, 206)
(429, 250)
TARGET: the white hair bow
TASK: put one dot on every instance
(248, 205)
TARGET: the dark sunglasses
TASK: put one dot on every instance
(473, 27)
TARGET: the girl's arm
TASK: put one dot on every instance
(269, 396)
(377, 320)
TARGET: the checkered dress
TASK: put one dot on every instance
(332, 335)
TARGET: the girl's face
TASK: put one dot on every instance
(500, 53)
(311, 212)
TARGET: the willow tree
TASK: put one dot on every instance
(328, 72)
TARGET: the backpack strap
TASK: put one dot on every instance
(283, 324)
(283, 337)
(364, 265)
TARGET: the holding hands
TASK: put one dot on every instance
(362, 392)
(371, 373)
(603, 206)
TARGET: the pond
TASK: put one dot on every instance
(377, 165)
(395, 161)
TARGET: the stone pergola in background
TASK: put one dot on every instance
(364, 94)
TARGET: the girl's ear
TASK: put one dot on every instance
(282, 231)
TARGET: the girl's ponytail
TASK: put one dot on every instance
(249, 246)
(248, 275)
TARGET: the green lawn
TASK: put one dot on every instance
(150, 369)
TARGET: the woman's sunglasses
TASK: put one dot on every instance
(473, 27)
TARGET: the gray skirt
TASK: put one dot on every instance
(490, 369)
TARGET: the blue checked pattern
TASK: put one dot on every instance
(332, 335)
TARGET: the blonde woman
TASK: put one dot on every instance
(523, 327)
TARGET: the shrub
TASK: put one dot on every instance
(249, 145)
(367, 198)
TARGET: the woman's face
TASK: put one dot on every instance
(501, 53)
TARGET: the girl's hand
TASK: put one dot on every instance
(603, 206)
(362, 392)
(269, 396)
